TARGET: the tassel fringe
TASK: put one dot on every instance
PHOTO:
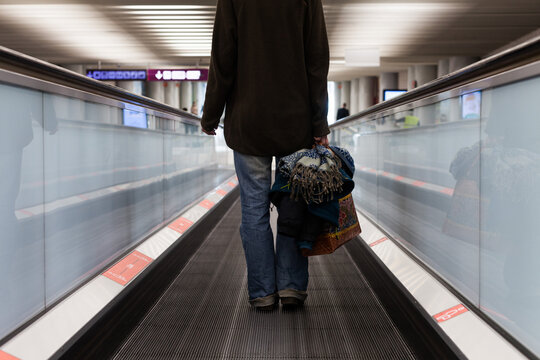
(315, 185)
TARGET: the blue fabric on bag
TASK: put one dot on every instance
(328, 210)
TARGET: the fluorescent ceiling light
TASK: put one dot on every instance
(368, 57)
(193, 35)
(79, 28)
(163, 7)
(187, 41)
(180, 31)
(190, 45)
(186, 30)
(177, 17)
(390, 27)
(177, 26)
(175, 22)
(193, 54)
(170, 12)
(190, 38)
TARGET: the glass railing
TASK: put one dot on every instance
(83, 178)
(455, 179)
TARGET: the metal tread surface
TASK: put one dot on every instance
(204, 314)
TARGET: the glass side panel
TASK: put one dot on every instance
(457, 182)
(191, 168)
(22, 282)
(416, 178)
(81, 167)
(81, 182)
(510, 206)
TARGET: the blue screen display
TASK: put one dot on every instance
(135, 119)
(390, 94)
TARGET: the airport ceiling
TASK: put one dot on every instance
(178, 32)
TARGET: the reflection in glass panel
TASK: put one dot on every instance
(79, 173)
(412, 177)
(108, 177)
(362, 144)
(191, 169)
(510, 206)
(21, 205)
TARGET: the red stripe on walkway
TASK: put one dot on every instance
(448, 191)
(378, 241)
(207, 204)
(6, 356)
(450, 313)
(181, 225)
(221, 192)
(124, 271)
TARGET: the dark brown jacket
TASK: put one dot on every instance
(269, 68)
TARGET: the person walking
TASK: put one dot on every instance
(268, 52)
(342, 112)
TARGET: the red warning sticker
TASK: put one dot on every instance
(124, 271)
(207, 204)
(6, 356)
(221, 192)
(180, 225)
(378, 241)
(450, 313)
(399, 178)
(419, 183)
(448, 191)
(231, 184)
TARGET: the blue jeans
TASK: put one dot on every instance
(268, 271)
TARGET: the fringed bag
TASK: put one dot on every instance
(313, 174)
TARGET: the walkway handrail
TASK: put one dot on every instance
(26, 65)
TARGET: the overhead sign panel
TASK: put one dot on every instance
(139, 75)
(177, 74)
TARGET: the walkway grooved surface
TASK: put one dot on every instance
(204, 314)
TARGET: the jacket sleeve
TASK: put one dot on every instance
(222, 72)
(317, 62)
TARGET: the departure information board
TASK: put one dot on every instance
(113, 75)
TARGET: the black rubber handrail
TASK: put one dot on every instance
(26, 65)
(519, 55)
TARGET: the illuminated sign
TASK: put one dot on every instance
(135, 116)
(392, 93)
(139, 75)
(177, 74)
(471, 105)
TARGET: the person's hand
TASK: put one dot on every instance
(209, 132)
(321, 140)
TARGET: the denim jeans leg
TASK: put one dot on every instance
(292, 266)
(255, 176)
